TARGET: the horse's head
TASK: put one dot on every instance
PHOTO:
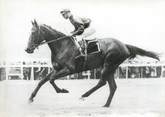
(35, 38)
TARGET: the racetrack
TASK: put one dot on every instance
(133, 98)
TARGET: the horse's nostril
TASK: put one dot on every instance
(26, 49)
(29, 50)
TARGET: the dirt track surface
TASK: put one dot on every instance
(133, 98)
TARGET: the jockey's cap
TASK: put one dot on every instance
(64, 11)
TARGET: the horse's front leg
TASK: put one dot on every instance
(43, 81)
(63, 72)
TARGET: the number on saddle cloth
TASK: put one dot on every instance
(92, 46)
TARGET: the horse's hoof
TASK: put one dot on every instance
(82, 98)
(64, 91)
(106, 106)
(84, 95)
(30, 101)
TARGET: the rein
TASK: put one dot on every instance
(46, 42)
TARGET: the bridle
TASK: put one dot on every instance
(47, 42)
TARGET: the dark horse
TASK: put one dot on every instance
(64, 51)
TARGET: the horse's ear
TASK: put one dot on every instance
(35, 23)
(32, 22)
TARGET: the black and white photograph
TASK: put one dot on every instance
(82, 58)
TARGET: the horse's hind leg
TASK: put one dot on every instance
(99, 85)
(113, 61)
(101, 82)
(43, 81)
(112, 87)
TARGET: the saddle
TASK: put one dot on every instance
(90, 46)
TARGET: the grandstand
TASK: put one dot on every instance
(36, 69)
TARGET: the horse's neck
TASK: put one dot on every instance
(55, 46)
(63, 50)
(50, 35)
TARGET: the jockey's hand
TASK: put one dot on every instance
(72, 32)
(71, 35)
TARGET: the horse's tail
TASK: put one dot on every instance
(138, 51)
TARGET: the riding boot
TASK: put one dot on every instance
(84, 47)
(82, 53)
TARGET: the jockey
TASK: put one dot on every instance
(80, 24)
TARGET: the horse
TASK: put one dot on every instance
(64, 53)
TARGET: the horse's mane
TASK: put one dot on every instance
(53, 31)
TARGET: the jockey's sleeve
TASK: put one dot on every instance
(79, 31)
(86, 20)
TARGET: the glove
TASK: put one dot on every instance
(73, 34)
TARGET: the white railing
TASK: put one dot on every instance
(20, 67)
